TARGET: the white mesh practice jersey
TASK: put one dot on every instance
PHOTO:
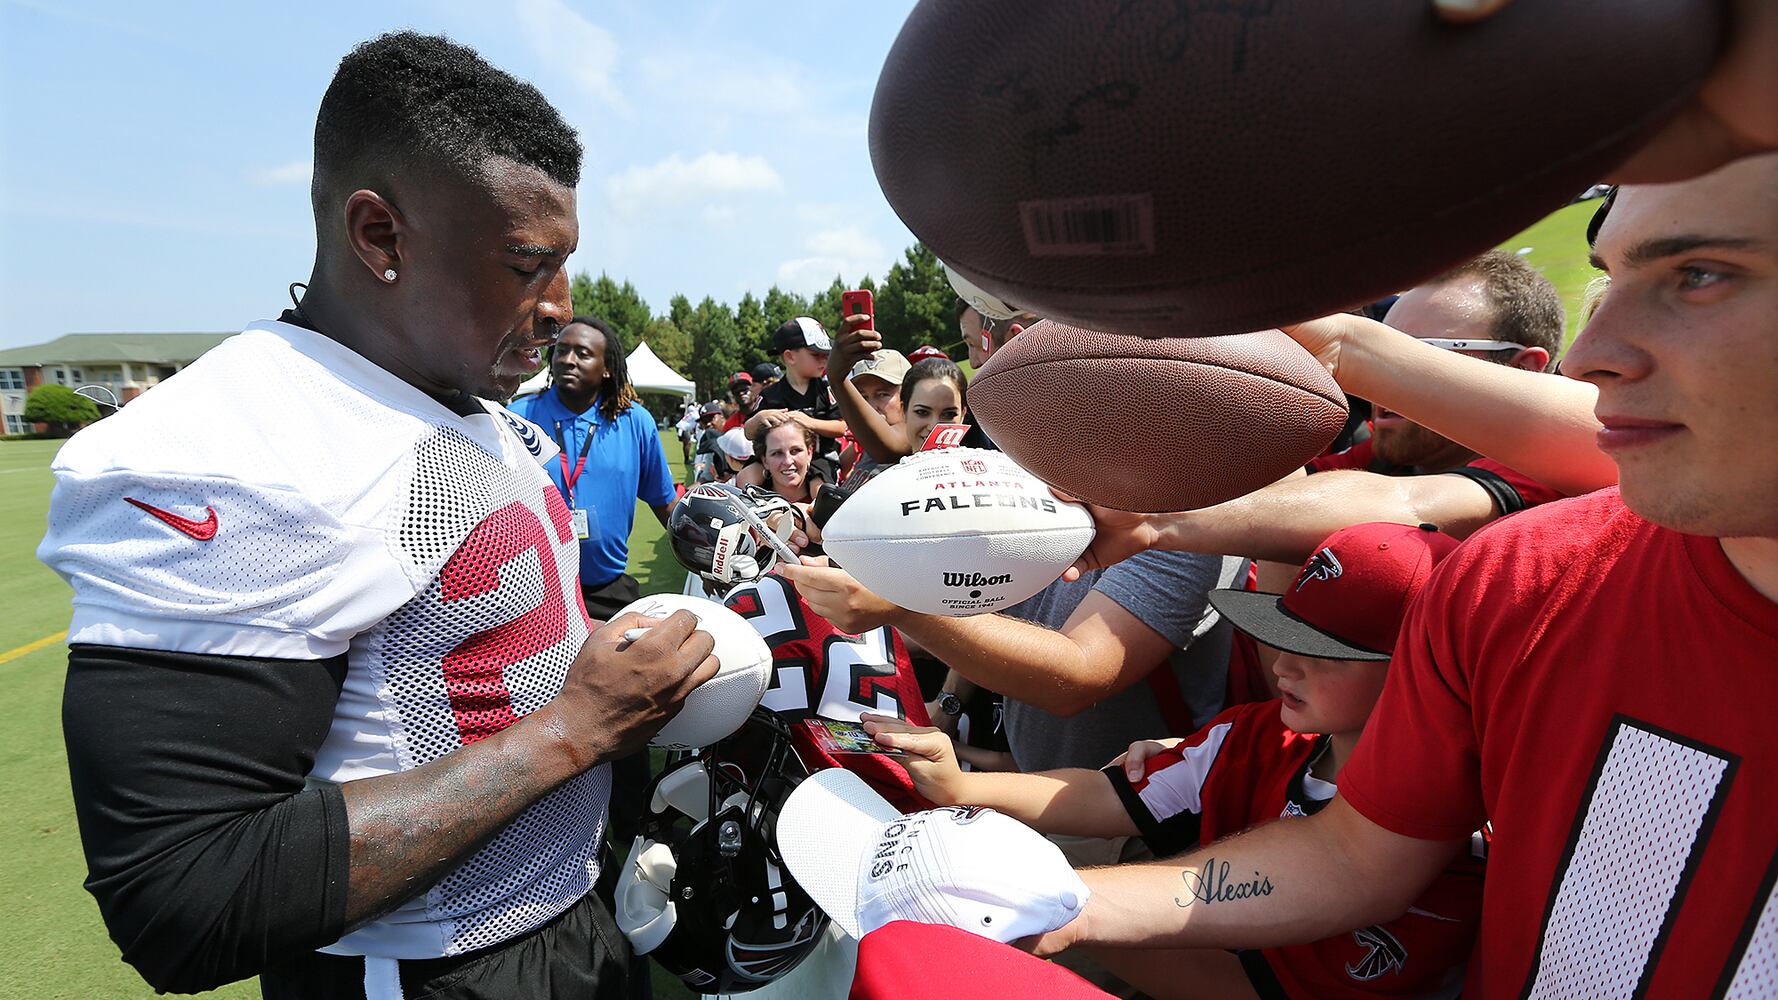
(284, 497)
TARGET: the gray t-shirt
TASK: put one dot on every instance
(1169, 592)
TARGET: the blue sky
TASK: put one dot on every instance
(154, 157)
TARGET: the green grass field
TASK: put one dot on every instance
(60, 949)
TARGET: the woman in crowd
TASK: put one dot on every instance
(790, 467)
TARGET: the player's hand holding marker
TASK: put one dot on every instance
(620, 692)
(931, 757)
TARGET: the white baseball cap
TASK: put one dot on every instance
(989, 306)
(734, 443)
(866, 865)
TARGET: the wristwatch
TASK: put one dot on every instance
(950, 704)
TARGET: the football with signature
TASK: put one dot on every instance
(956, 531)
(1193, 167)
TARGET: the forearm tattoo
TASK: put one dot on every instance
(1216, 885)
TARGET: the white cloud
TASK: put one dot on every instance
(576, 47)
(847, 251)
(677, 181)
(296, 172)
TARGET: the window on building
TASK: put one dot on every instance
(15, 424)
(11, 378)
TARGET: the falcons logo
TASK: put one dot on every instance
(1321, 566)
(964, 815)
(1383, 955)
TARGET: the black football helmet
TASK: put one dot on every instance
(704, 892)
(721, 532)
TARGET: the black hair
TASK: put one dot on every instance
(931, 368)
(406, 100)
(617, 394)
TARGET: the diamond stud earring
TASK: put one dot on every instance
(389, 274)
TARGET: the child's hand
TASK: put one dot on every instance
(1135, 759)
(931, 759)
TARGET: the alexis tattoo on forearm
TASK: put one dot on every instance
(1215, 886)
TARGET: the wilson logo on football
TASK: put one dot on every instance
(976, 580)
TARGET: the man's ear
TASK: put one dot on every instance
(1532, 359)
(375, 231)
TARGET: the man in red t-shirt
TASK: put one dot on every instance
(1594, 677)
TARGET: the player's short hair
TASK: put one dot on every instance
(1526, 308)
(407, 100)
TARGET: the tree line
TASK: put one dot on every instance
(711, 340)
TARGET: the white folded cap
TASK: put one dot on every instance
(865, 864)
(989, 306)
(734, 443)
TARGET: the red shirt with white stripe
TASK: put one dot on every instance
(1601, 688)
(1247, 767)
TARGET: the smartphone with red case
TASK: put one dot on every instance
(859, 302)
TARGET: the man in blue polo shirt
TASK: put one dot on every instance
(611, 456)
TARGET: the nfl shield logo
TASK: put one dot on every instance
(974, 466)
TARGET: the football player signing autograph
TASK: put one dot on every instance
(333, 713)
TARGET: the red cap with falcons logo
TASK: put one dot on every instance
(1349, 599)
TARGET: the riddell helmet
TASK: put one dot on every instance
(719, 532)
(704, 892)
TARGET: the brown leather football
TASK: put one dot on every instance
(1156, 423)
(1194, 167)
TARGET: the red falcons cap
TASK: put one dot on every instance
(1348, 601)
(925, 351)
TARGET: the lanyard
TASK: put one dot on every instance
(586, 445)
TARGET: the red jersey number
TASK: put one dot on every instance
(475, 672)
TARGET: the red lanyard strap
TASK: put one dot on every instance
(570, 478)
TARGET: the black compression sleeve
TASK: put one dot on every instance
(208, 858)
(1506, 499)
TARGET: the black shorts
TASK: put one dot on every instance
(605, 600)
(579, 954)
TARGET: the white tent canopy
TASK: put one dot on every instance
(647, 373)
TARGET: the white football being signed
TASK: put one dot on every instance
(956, 531)
(717, 707)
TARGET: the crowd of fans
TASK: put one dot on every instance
(1469, 697)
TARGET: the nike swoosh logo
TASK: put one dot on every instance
(203, 530)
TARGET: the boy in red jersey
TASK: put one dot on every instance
(1252, 764)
